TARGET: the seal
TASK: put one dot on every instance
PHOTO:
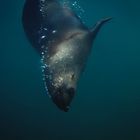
(63, 43)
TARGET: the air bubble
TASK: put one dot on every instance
(42, 46)
(42, 53)
(54, 31)
(45, 29)
(42, 37)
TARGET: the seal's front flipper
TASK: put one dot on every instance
(98, 26)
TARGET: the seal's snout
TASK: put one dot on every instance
(63, 97)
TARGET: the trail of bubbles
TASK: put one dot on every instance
(43, 66)
(74, 5)
(78, 9)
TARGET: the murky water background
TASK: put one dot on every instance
(107, 105)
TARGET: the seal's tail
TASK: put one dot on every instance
(98, 26)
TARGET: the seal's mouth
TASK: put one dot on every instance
(63, 97)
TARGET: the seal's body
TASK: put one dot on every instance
(64, 43)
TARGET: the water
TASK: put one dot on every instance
(107, 105)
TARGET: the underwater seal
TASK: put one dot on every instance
(63, 42)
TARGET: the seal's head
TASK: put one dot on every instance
(63, 89)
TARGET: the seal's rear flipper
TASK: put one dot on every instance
(98, 26)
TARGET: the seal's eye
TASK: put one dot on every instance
(72, 76)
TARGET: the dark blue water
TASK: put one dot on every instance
(107, 104)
